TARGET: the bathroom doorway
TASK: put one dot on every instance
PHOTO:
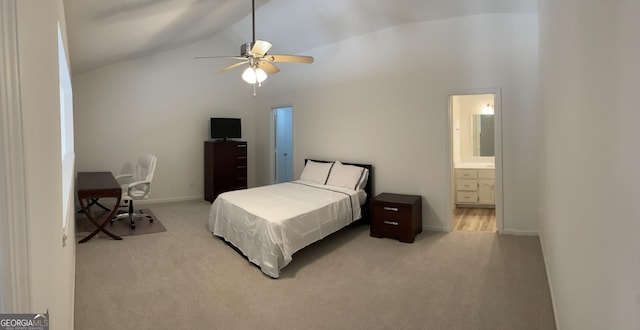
(475, 146)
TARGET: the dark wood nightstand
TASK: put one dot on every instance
(396, 216)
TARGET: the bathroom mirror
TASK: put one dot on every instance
(483, 145)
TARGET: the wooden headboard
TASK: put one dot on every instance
(368, 188)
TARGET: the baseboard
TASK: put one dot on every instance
(551, 291)
(514, 232)
(168, 200)
(517, 232)
(434, 228)
(139, 203)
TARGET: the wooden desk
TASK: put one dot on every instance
(94, 185)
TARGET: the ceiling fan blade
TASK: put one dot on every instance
(289, 58)
(221, 57)
(268, 67)
(260, 47)
(233, 66)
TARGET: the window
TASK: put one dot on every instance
(67, 154)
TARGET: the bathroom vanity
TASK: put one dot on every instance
(475, 186)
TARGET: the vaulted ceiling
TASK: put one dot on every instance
(103, 32)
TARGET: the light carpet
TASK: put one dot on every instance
(188, 279)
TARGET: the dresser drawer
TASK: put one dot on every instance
(466, 185)
(240, 160)
(240, 169)
(467, 197)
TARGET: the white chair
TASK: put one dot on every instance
(136, 186)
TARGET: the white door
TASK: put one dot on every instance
(283, 143)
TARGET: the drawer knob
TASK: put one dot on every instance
(394, 209)
(393, 223)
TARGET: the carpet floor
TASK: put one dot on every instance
(188, 279)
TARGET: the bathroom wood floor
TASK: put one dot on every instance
(472, 219)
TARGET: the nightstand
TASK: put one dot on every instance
(396, 216)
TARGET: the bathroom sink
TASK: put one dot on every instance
(475, 165)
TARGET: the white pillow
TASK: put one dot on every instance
(348, 176)
(316, 172)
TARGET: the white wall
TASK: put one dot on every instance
(160, 104)
(382, 98)
(379, 98)
(51, 265)
(590, 60)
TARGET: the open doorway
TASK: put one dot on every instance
(476, 153)
(282, 120)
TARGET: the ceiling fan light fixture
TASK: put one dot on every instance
(254, 75)
(254, 53)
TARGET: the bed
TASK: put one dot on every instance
(269, 224)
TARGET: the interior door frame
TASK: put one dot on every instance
(15, 273)
(499, 200)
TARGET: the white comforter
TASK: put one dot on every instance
(270, 223)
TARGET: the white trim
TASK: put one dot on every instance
(273, 145)
(435, 228)
(498, 154)
(517, 232)
(152, 201)
(14, 240)
(168, 200)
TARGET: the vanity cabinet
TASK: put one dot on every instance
(475, 187)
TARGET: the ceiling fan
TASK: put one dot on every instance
(260, 63)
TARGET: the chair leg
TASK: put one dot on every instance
(133, 224)
(131, 214)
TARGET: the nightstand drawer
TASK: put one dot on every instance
(392, 211)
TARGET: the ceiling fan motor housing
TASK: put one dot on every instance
(245, 49)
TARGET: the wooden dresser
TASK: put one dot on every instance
(396, 216)
(225, 167)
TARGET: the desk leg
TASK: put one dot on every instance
(94, 201)
(100, 227)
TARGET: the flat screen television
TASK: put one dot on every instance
(226, 128)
